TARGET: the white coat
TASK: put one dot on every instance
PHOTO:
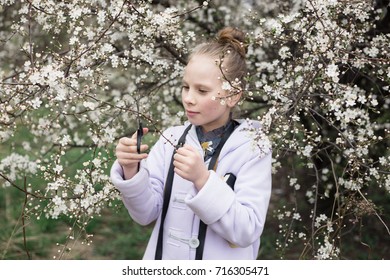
(235, 219)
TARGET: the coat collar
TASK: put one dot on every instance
(241, 135)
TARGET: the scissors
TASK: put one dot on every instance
(140, 132)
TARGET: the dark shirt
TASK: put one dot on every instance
(211, 139)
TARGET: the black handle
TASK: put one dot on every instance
(140, 133)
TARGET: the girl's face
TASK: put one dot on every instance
(202, 89)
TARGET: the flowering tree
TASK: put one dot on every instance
(75, 76)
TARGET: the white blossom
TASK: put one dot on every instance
(333, 72)
(327, 250)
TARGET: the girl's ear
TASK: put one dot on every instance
(233, 99)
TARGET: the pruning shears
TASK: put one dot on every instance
(140, 131)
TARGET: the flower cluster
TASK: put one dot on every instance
(325, 87)
(16, 166)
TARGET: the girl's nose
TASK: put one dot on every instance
(188, 97)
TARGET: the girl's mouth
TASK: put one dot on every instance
(191, 113)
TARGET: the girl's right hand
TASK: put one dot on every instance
(126, 153)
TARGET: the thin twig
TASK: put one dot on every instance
(376, 213)
(23, 219)
(19, 188)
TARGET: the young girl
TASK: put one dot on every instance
(210, 193)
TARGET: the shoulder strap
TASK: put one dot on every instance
(212, 166)
(168, 191)
(167, 196)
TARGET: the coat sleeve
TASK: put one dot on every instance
(238, 216)
(143, 194)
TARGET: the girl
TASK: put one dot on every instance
(210, 193)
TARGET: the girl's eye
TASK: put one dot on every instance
(202, 91)
(185, 88)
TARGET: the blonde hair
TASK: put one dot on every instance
(229, 45)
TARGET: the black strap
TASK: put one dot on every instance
(167, 196)
(168, 191)
(212, 166)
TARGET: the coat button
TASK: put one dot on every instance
(194, 243)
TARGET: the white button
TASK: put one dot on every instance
(194, 243)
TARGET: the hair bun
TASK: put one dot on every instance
(233, 37)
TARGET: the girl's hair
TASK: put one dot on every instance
(228, 45)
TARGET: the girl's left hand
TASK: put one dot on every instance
(189, 165)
